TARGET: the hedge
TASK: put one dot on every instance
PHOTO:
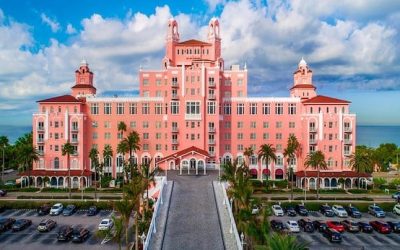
(75, 197)
(36, 204)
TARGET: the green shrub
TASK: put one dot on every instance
(357, 191)
(363, 207)
(279, 198)
(105, 181)
(379, 182)
(36, 204)
(395, 182)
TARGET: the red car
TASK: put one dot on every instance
(335, 225)
(381, 227)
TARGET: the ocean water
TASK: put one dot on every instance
(370, 136)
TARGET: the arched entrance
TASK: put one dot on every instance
(200, 164)
(193, 163)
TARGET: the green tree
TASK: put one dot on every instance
(133, 142)
(116, 233)
(4, 144)
(27, 154)
(291, 152)
(122, 128)
(285, 242)
(94, 159)
(316, 160)
(361, 161)
(107, 156)
(149, 178)
(122, 149)
(68, 150)
(248, 152)
(267, 153)
(125, 207)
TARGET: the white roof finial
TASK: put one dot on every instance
(84, 62)
(302, 62)
(245, 66)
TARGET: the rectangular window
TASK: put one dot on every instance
(107, 135)
(107, 108)
(278, 136)
(145, 135)
(158, 93)
(145, 147)
(240, 125)
(240, 109)
(94, 108)
(253, 124)
(253, 108)
(278, 124)
(292, 124)
(56, 124)
(266, 107)
(240, 147)
(132, 124)
(158, 147)
(145, 108)
(158, 109)
(292, 109)
(265, 136)
(193, 108)
(240, 82)
(120, 108)
(158, 82)
(265, 124)
(145, 82)
(158, 136)
(107, 124)
(158, 124)
(227, 136)
(279, 108)
(227, 108)
(211, 108)
(227, 147)
(174, 108)
(56, 136)
(240, 136)
(145, 124)
(253, 136)
(56, 148)
(95, 124)
(227, 125)
(133, 108)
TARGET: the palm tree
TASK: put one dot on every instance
(267, 153)
(68, 150)
(122, 128)
(27, 154)
(148, 177)
(94, 158)
(107, 154)
(361, 161)
(316, 160)
(122, 149)
(118, 230)
(125, 207)
(248, 152)
(133, 142)
(285, 242)
(290, 152)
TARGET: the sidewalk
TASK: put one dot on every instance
(225, 222)
(157, 238)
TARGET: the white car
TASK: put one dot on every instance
(56, 209)
(277, 210)
(396, 209)
(106, 224)
(339, 211)
(255, 210)
(292, 226)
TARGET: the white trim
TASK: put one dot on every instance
(321, 126)
(202, 80)
(125, 99)
(66, 126)
(183, 80)
(262, 99)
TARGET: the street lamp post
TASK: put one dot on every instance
(143, 238)
(231, 202)
(242, 239)
(219, 170)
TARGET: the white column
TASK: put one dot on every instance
(202, 80)
(204, 166)
(197, 168)
(321, 126)
(188, 167)
(340, 125)
(183, 79)
(46, 126)
(66, 125)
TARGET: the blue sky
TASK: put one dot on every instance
(351, 45)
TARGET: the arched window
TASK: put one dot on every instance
(279, 160)
(74, 163)
(56, 163)
(227, 159)
(253, 160)
(41, 163)
(145, 160)
(240, 159)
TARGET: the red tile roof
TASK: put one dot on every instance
(83, 86)
(42, 172)
(343, 174)
(324, 100)
(184, 152)
(62, 99)
(194, 42)
(303, 86)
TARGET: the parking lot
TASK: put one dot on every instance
(349, 240)
(30, 238)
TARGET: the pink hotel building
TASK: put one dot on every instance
(191, 115)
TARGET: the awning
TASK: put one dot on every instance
(266, 171)
(253, 171)
(279, 172)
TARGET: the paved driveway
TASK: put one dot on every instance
(193, 221)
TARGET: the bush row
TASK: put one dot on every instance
(76, 197)
(277, 198)
(363, 207)
(36, 204)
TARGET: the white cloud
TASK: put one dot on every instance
(70, 29)
(212, 4)
(53, 24)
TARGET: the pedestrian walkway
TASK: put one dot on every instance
(229, 238)
(193, 221)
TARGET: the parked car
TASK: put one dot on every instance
(56, 209)
(306, 225)
(79, 234)
(335, 225)
(351, 226)
(92, 211)
(365, 227)
(339, 211)
(10, 183)
(277, 210)
(46, 225)
(277, 225)
(6, 224)
(326, 210)
(64, 233)
(376, 211)
(290, 211)
(69, 210)
(106, 224)
(353, 211)
(395, 226)
(396, 195)
(381, 227)
(396, 209)
(332, 235)
(44, 209)
(255, 209)
(3, 192)
(320, 225)
(21, 224)
(301, 210)
(292, 226)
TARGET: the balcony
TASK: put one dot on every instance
(74, 140)
(74, 128)
(313, 130)
(211, 97)
(175, 97)
(211, 154)
(313, 141)
(40, 140)
(347, 153)
(175, 130)
(348, 129)
(174, 84)
(211, 84)
(211, 129)
(174, 141)
(40, 152)
(40, 128)
(211, 141)
(348, 141)
(193, 117)
(75, 153)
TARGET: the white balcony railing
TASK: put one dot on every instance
(348, 141)
(211, 141)
(313, 141)
(174, 129)
(174, 141)
(313, 129)
(347, 129)
(40, 128)
(211, 129)
(192, 116)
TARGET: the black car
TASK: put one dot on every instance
(6, 224)
(320, 225)
(306, 225)
(301, 210)
(46, 225)
(395, 226)
(44, 209)
(365, 227)
(92, 211)
(69, 210)
(277, 225)
(332, 235)
(290, 211)
(79, 234)
(21, 224)
(353, 212)
(65, 233)
(3, 192)
(326, 210)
